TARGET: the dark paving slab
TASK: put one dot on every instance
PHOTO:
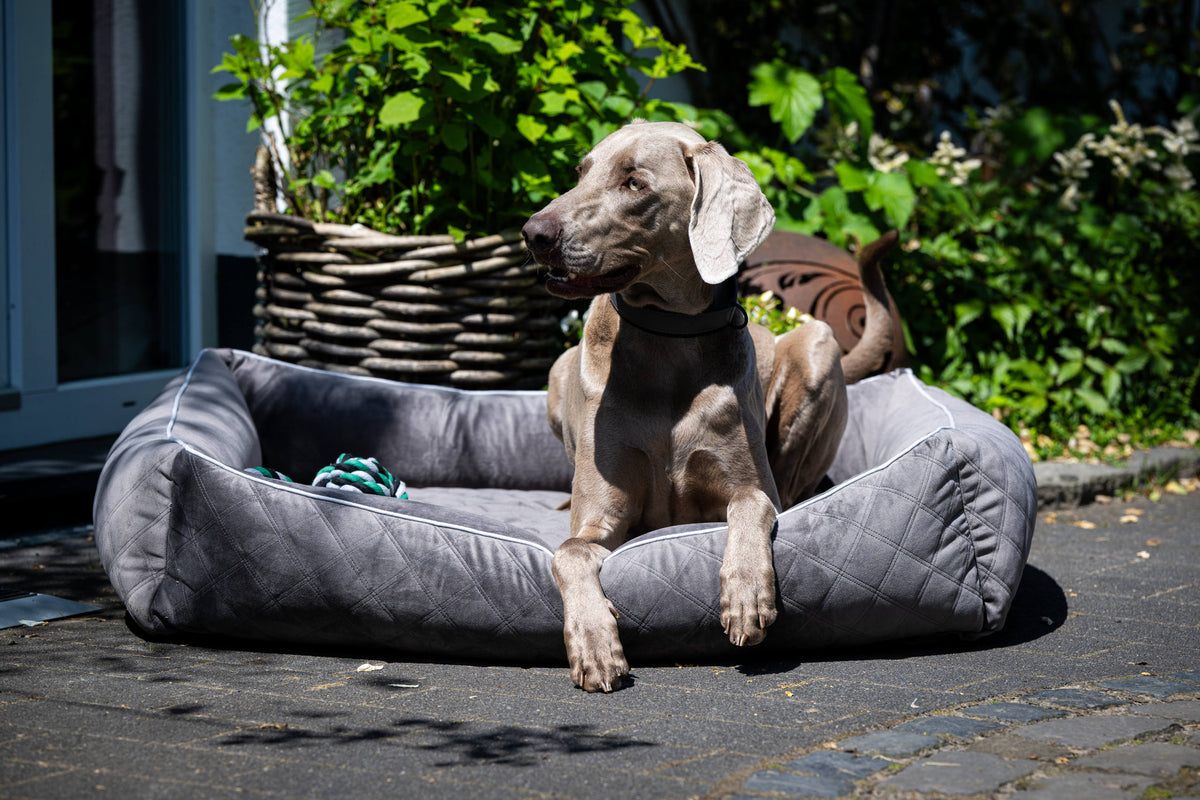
(1090, 732)
(1086, 787)
(958, 773)
(1012, 712)
(947, 725)
(1158, 759)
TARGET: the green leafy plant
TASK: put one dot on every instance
(852, 191)
(1050, 286)
(434, 115)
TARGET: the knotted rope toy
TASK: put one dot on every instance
(349, 473)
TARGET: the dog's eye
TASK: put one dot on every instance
(634, 185)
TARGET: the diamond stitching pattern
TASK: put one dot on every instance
(934, 542)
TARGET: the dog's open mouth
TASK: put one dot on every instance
(571, 286)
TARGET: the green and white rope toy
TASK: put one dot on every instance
(360, 475)
(350, 473)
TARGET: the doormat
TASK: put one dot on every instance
(18, 607)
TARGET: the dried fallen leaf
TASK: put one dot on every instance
(1083, 523)
(370, 667)
(1062, 760)
(1137, 512)
(1153, 542)
(1175, 487)
(1128, 518)
(1143, 554)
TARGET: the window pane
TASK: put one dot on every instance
(117, 73)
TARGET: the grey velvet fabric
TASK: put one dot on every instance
(925, 532)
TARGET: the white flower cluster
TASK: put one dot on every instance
(1179, 143)
(1126, 147)
(950, 161)
(883, 155)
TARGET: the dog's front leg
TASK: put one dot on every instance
(748, 569)
(589, 618)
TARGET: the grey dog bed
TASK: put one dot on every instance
(925, 531)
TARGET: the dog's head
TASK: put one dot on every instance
(658, 214)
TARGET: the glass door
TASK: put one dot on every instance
(94, 153)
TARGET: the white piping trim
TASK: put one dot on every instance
(299, 489)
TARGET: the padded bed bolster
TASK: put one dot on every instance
(925, 532)
(427, 435)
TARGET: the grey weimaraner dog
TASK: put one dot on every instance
(671, 409)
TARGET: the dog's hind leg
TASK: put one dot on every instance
(806, 409)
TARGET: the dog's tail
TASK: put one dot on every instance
(872, 349)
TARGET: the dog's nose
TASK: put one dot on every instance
(541, 234)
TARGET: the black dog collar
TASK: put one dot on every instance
(724, 312)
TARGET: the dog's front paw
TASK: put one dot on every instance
(594, 650)
(747, 605)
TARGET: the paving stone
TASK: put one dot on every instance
(947, 725)
(889, 743)
(1188, 710)
(1091, 731)
(1148, 685)
(1012, 712)
(959, 773)
(1191, 676)
(1007, 745)
(790, 784)
(1086, 787)
(1075, 698)
(1159, 759)
(832, 764)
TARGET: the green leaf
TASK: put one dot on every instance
(966, 313)
(851, 177)
(849, 98)
(554, 102)
(504, 45)
(323, 83)
(792, 95)
(892, 192)
(1093, 400)
(324, 179)
(1111, 383)
(231, 91)
(530, 128)
(401, 109)
(402, 15)
(1134, 362)
(455, 137)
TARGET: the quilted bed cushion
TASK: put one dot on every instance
(926, 530)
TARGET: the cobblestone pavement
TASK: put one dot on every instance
(1130, 737)
(1091, 691)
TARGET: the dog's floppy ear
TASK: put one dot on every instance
(730, 215)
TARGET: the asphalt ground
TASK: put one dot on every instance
(1090, 691)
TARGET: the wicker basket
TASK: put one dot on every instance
(422, 309)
